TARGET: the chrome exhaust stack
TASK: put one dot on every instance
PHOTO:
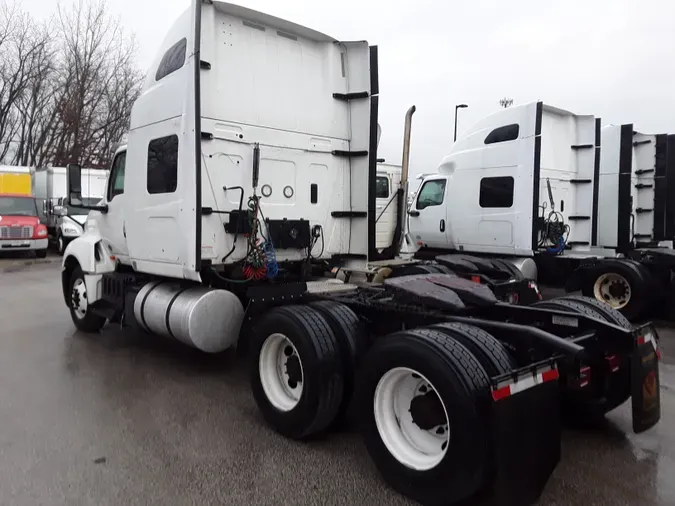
(404, 186)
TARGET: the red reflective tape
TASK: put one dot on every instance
(550, 375)
(658, 353)
(641, 340)
(501, 393)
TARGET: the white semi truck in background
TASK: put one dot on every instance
(65, 223)
(224, 216)
(577, 204)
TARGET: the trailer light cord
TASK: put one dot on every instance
(317, 233)
(236, 232)
(255, 262)
(555, 231)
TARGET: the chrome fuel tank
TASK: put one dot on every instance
(526, 265)
(205, 318)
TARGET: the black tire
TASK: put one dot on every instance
(608, 312)
(491, 353)
(579, 408)
(462, 385)
(638, 280)
(443, 269)
(90, 322)
(322, 370)
(41, 253)
(353, 342)
(60, 244)
(410, 270)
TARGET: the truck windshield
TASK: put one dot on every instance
(17, 206)
(75, 211)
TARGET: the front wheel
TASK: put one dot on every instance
(60, 244)
(80, 311)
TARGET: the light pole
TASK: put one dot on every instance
(460, 106)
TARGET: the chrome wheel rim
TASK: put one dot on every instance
(79, 298)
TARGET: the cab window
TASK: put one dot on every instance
(382, 187)
(431, 193)
(116, 184)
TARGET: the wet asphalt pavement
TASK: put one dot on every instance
(119, 419)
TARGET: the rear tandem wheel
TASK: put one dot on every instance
(296, 371)
(420, 397)
(579, 407)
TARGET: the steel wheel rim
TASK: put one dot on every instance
(613, 289)
(412, 446)
(79, 298)
(278, 366)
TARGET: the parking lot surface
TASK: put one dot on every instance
(121, 419)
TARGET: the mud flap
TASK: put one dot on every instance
(645, 384)
(527, 431)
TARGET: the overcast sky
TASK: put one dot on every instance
(610, 58)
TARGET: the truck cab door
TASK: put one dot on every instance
(428, 214)
(111, 224)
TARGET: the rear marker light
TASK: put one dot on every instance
(649, 338)
(524, 383)
(475, 279)
(584, 376)
(613, 362)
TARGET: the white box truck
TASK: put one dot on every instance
(64, 223)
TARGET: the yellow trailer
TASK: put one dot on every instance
(15, 180)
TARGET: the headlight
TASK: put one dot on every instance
(70, 230)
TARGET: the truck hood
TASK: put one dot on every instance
(78, 218)
(8, 220)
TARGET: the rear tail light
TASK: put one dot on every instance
(584, 377)
(613, 363)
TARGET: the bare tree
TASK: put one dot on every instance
(36, 108)
(67, 87)
(23, 47)
(100, 83)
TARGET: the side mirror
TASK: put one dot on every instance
(60, 211)
(75, 183)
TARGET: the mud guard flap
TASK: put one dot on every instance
(527, 432)
(645, 383)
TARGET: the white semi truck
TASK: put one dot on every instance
(65, 223)
(243, 182)
(387, 183)
(542, 186)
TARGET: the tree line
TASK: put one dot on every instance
(67, 85)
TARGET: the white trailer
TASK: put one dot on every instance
(252, 179)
